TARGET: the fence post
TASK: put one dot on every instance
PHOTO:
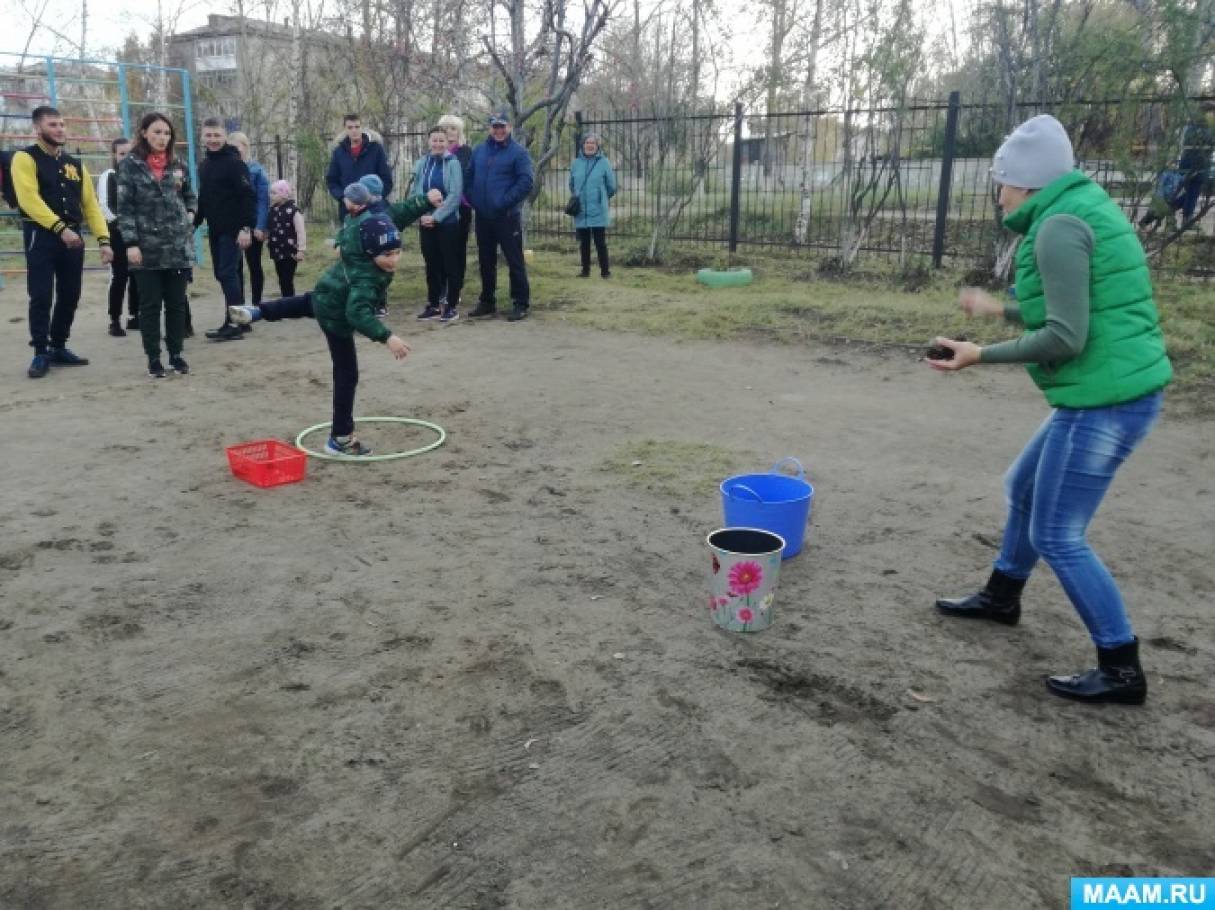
(124, 102)
(278, 154)
(577, 132)
(947, 155)
(736, 176)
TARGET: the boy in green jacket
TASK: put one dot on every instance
(344, 300)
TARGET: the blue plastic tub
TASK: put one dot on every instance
(774, 502)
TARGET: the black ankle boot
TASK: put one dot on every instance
(1116, 678)
(1000, 600)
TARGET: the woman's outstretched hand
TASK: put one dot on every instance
(977, 302)
(947, 354)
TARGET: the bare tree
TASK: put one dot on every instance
(547, 67)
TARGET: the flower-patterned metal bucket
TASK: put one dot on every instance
(744, 569)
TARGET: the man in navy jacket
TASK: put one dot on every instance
(356, 156)
(500, 179)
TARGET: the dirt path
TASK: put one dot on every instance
(400, 685)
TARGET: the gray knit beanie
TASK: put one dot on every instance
(358, 194)
(1037, 152)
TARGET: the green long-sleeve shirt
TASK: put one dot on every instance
(1063, 249)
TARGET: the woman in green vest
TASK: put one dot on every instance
(1092, 344)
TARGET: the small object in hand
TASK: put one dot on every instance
(939, 352)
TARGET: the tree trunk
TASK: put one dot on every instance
(809, 132)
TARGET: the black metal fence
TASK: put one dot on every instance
(908, 184)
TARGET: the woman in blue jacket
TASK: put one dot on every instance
(261, 190)
(442, 246)
(593, 181)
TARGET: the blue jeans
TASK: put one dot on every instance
(1054, 488)
(225, 261)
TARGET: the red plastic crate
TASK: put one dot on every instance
(267, 462)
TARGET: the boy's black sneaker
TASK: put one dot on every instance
(117, 330)
(156, 369)
(431, 311)
(226, 332)
(65, 358)
(518, 313)
(179, 365)
(346, 447)
(133, 323)
(450, 314)
(381, 311)
(38, 366)
(484, 310)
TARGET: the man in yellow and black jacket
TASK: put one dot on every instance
(55, 196)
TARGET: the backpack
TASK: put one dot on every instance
(1170, 185)
(7, 190)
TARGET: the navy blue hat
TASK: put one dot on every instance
(500, 117)
(379, 235)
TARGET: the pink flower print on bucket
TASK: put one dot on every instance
(744, 615)
(745, 577)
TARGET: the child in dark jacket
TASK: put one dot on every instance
(286, 235)
(343, 302)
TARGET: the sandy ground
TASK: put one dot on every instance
(486, 677)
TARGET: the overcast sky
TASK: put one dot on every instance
(110, 21)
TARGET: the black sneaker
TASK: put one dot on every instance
(484, 310)
(450, 314)
(346, 447)
(133, 323)
(117, 330)
(226, 332)
(38, 366)
(179, 365)
(381, 311)
(431, 311)
(65, 358)
(518, 313)
(156, 369)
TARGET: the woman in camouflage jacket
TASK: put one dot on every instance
(156, 219)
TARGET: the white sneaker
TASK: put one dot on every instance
(243, 315)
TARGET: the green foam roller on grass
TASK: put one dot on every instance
(731, 278)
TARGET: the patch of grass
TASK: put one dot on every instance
(790, 302)
(675, 469)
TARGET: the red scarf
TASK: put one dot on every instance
(157, 162)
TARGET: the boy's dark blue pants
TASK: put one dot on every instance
(341, 352)
(53, 277)
(226, 262)
(505, 232)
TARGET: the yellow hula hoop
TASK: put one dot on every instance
(391, 456)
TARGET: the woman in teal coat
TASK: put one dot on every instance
(593, 181)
